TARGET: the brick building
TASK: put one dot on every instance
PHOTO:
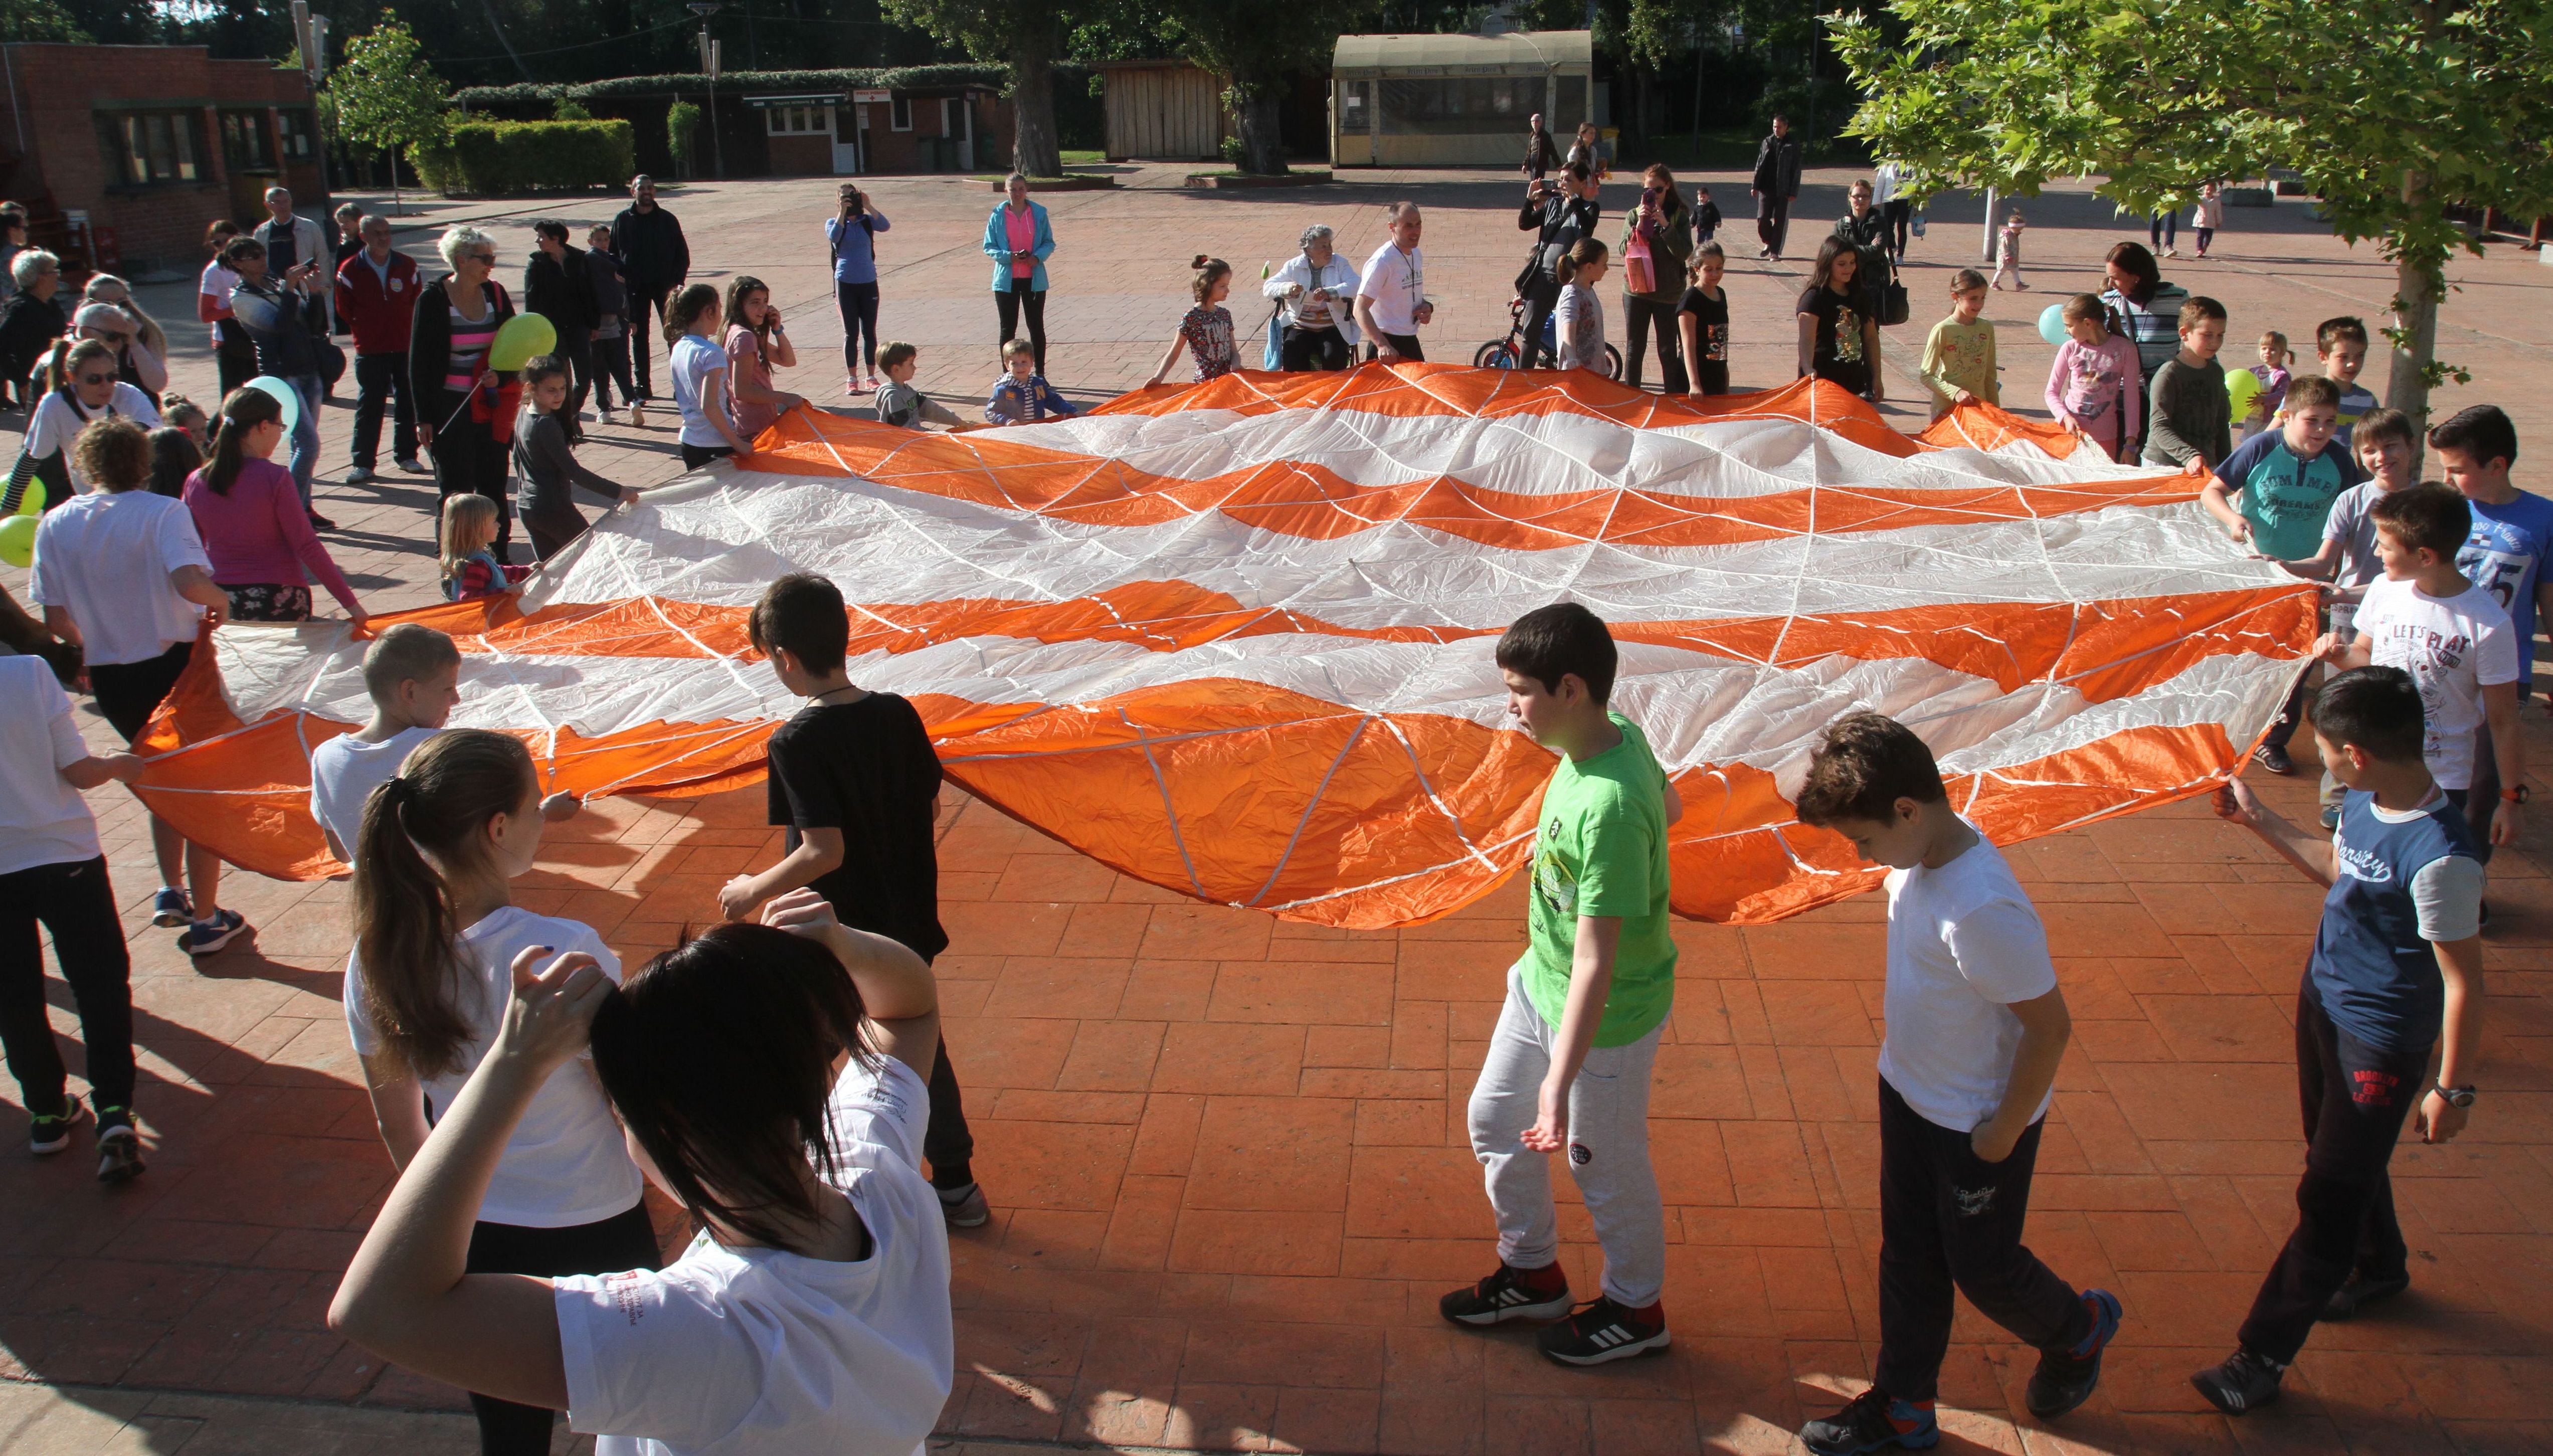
(127, 152)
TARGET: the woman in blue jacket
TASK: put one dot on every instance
(853, 236)
(1018, 240)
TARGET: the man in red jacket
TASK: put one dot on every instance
(377, 291)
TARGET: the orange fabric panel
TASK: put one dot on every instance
(1309, 500)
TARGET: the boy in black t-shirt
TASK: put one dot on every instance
(853, 759)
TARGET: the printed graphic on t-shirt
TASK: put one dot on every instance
(2359, 866)
(1714, 342)
(2501, 572)
(2431, 657)
(1847, 335)
(1552, 879)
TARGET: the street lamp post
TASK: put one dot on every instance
(709, 64)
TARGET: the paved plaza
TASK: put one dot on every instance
(1226, 1154)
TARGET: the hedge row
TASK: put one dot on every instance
(492, 159)
(872, 79)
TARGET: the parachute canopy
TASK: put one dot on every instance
(1235, 638)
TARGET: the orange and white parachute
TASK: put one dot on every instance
(1234, 638)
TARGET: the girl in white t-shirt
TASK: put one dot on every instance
(774, 1084)
(1578, 319)
(700, 369)
(436, 938)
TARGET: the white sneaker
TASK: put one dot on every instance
(637, 416)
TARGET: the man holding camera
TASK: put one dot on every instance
(1563, 215)
(852, 235)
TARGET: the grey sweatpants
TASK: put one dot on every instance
(1608, 1150)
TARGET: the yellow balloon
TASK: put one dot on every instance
(2242, 391)
(520, 340)
(17, 540)
(32, 502)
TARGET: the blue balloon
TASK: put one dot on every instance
(2052, 323)
(284, 395)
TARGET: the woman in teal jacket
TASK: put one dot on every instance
(1018, 240)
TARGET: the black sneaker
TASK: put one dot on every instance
(1872, 1422)
(2273, 758)
(1503, 1296)
(2360, 1291)
(1602, 1330)
(119, 1147)
(2063, 1381)
(2245, 1381)
(321, 523)
(52, 1132)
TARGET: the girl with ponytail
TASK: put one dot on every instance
(254, 527)
(1205, 331)
(701, 378)
(1577, 320)
(437, 940)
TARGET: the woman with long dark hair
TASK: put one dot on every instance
(437, 942)
(1839, 334)
(770, 1079)
(1661, 225)
(460, 417)
(251, 519)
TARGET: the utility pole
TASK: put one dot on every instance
(710, 66)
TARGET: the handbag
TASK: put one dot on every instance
(1917, 226)
(1893, 305)
(1272, 357)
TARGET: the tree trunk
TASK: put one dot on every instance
(2419, 278)
(1263, 150)
(1033, 145)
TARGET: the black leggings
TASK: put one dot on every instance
(1008, 302)
(946, 1141)
(859, 302)
(623, 1241)
(1639, 312)
(468, 460)
(76, 902)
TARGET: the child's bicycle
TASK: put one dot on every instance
(1508, 353)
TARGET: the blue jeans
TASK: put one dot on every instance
(306, 434)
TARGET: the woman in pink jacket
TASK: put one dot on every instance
(252, 523)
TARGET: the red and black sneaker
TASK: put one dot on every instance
(1604, 1330)
(1510, 1294)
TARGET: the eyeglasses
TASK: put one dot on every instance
(94, 379)
(489, 256)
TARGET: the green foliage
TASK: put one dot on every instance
(39, 20)
(683, 134)
(2391, 115)
(385, 94)
(1233, 154)
(545, 99)
(501, 158)
(570, 109)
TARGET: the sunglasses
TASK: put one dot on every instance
(94, 379)
(489, 256)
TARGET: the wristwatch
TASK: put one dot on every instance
(2456, 1096)
(2516, 795)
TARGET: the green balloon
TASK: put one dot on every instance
(520, 340)
(32, 501)
(17, 540)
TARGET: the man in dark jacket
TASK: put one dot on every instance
(1865, 228)
(1558, 217)
(559, 287)
(375, 295)
(654, 261)
(1776, 185)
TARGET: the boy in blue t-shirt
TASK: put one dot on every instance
(2397, 969)
(2340, 346)
(2512, 534)
(2274, 491)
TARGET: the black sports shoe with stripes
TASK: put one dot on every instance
(1602, 1330)
(1503, 1296)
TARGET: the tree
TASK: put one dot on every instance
(39, 20)
(1025, 33)
(386, 96)
(1252, 45)
(2404, 112)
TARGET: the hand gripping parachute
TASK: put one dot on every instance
(1235, 638)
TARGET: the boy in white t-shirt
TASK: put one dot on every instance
(412, 673)
(1976, 1026)
(2454, 639)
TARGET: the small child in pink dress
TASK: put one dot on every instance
(2008, 252)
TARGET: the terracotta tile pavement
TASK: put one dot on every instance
(1227, 1155)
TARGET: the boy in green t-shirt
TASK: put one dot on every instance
(1588, 997)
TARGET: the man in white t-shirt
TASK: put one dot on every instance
(1391, 292)
(2454, 639)
(1976, 1026)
